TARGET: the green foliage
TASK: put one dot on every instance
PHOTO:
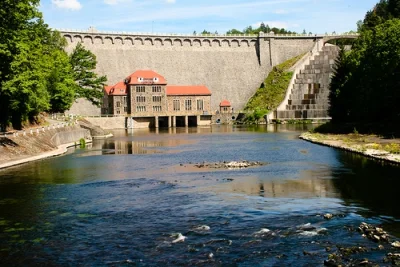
(82, 143)
(35, 75)
(61, 83)
(89, 85)
(364, 90)
(383, 11)
(272, 92)
(255, 116)
(392, 148)
(366, 81)
(250, 30)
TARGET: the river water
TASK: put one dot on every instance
(122, 202)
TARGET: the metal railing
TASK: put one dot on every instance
(37, 130)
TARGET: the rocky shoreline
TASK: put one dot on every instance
(355, 143)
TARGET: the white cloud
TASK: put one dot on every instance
(67, 4)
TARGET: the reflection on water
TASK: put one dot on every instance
(300, 188)
(141, 147)
(375, 185)
(121, 201)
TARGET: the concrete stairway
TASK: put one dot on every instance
(308, 98)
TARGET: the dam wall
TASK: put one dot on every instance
(232, 67)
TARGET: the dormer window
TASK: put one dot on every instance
(140, 79)
(155, 79)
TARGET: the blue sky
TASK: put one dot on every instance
(186, 16)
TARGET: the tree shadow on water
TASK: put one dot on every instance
(371, 184)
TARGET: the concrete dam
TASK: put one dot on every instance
(232, 67)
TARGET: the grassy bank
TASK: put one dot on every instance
(272, 91)
(368, 145)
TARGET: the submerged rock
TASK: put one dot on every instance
(202, 228)
(179, 238)
(373, 233)
(393, 258)
(230, 165)
(396, 244)
(328, 216)
(263, 231)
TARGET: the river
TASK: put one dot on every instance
(124, 200)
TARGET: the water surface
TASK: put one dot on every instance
(121, 201)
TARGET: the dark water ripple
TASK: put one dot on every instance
(95, 208)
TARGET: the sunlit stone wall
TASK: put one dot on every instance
(232, 67)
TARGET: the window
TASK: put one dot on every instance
(157, 108)
(124, 100)
(156, 89)
(177, 105)
(156, 98)
(140, 89)
(225, 108)
(140, 99)
(118, 104)
(199, 104)
(125, 109)
(118, 112)
(188, 104)
(141, 108)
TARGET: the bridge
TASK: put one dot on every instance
(192, 39)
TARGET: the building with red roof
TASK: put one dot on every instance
(225, 106)
(146, 93)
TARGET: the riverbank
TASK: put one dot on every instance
(368, 145)
(36, 145)
(60, 150)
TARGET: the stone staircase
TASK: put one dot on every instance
(308, 98)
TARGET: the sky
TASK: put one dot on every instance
(187, 16)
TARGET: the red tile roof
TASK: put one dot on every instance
(225, 103)
(145, 77)
(187, 90)
(107, 89)
(118, 89)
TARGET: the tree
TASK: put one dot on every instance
(264, 28)
(60, 83)
(304, 31)
(394, 8)
(248, 30)
(359, 26)
(89, 86)
(234, 31)
(23, 91)
(205, 32)
(365, 86)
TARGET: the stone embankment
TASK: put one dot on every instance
(370, 146)
(30, 145)
(96, 131)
